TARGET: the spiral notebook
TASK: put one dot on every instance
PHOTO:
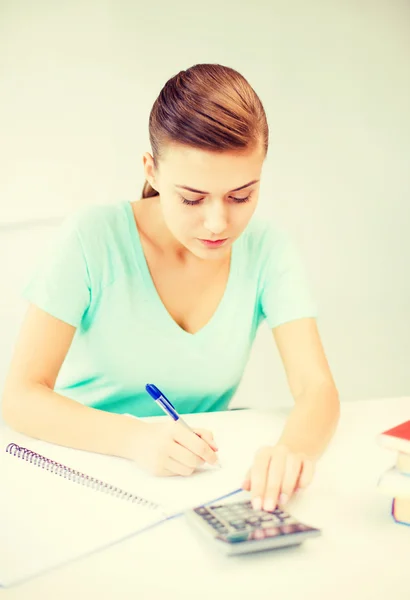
(52, 513)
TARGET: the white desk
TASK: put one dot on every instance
(362, 553)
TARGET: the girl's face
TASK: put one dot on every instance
(206, 198)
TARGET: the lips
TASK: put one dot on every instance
(213, 243)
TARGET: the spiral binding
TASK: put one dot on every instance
(77, 477)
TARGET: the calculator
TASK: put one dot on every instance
(237, 528)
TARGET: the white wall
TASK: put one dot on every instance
(77, 84)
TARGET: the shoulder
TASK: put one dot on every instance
(95, 219)
(99, 229)
(101, 233)
(283, 283)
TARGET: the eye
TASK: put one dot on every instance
(241, 200)
(190, 202)
(234, 198)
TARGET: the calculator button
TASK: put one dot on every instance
(258, 534)
(223, 518)
(242, 505)
(238, 536)
(222, 515)
(289, 529)
(241, 514)
(220, 527)
(273, 531)
(228, 515)
(272, 523)
(206, 515)
(201, 510)
(232, 517)
(252, 520)
(272, 519)
(237, 522)
(240, 511)
(289, 521)
(261, 514)
(302, 527)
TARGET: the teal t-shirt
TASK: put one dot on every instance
(95, 277)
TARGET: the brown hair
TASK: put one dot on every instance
(210, 107)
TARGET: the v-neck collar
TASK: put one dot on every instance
(166, 316)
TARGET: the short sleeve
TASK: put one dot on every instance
(285, 293)
(60, 284)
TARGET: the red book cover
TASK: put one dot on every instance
(401, 431)
(397, 438)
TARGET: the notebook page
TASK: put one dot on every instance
(238, 435)
(46, 520)
(75, 508)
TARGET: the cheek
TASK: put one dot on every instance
(180, 219)
(242, 215)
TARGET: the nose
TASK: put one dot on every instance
(216, 218)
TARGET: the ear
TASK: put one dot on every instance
(149, 169)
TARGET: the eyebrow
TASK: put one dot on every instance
(202, 192)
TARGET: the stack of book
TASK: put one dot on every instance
(396, 481)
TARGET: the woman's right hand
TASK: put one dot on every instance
(166, 449)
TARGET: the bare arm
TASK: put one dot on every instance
(280, 469)
(30, 404)
(315, 415)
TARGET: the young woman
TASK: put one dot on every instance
(171, 289)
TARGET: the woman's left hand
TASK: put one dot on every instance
(275, 475)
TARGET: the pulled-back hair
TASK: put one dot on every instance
(210, 107)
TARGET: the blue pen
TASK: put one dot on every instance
(166, 406)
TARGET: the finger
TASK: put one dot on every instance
(259, 472)
(178, 468)
(186, 437)
(165, 473)
(184, 456)
(246, 484)
(208, 436)
(294, 466)
(274, 479)
(159, 471)
(306, 474)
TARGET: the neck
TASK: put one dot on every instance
(150, 222)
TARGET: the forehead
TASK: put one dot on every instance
(206, 170)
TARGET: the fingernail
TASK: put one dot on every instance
(283, 498)
(268, 505)
(257, 503)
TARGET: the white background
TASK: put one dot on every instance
(77, 82)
